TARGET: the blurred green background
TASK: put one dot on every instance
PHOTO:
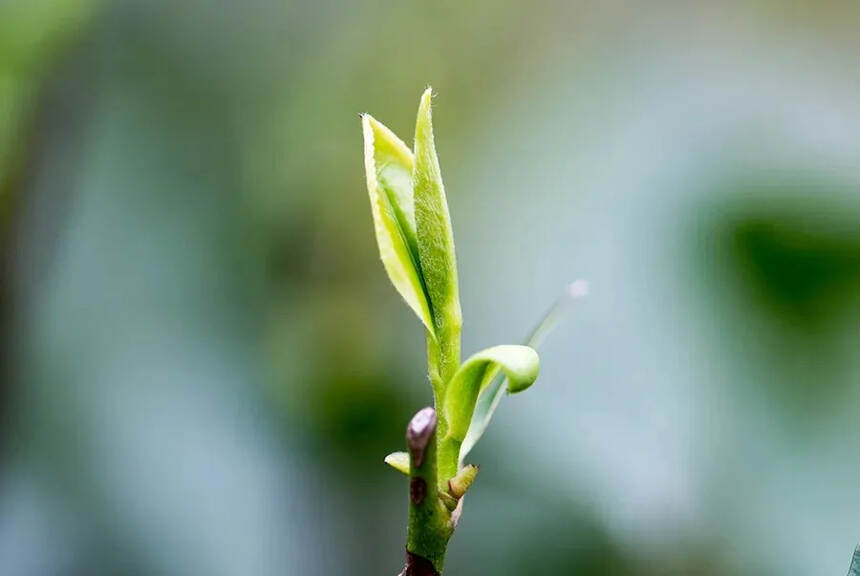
(203, 363)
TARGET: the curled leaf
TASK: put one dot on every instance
(491, 394)
(399, 461)
(388, 167)
(519, 363)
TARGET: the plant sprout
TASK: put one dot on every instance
(416, 245)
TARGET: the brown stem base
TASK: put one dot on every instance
(418, 566)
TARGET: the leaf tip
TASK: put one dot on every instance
(367, 132)
(427, 95)
(366, 123)
(399, 461)
(425, 106)
(531, 367)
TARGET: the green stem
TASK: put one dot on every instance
(430, 524)
(449, 460)
(443, 360)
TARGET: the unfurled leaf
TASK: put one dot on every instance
(519, 363)
(399, 461)
(491, 394)
(388, 167)
(436, 241)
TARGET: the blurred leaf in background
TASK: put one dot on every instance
(31, 37)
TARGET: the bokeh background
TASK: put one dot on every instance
(203, 364)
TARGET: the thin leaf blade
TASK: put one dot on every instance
(436, 241)
(388, 165)
(491, 393)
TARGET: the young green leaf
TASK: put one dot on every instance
(399, 461)
(388, 167)
(519, 363)
(436, 242)
(491, 394)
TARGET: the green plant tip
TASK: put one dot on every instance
(415, 238)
